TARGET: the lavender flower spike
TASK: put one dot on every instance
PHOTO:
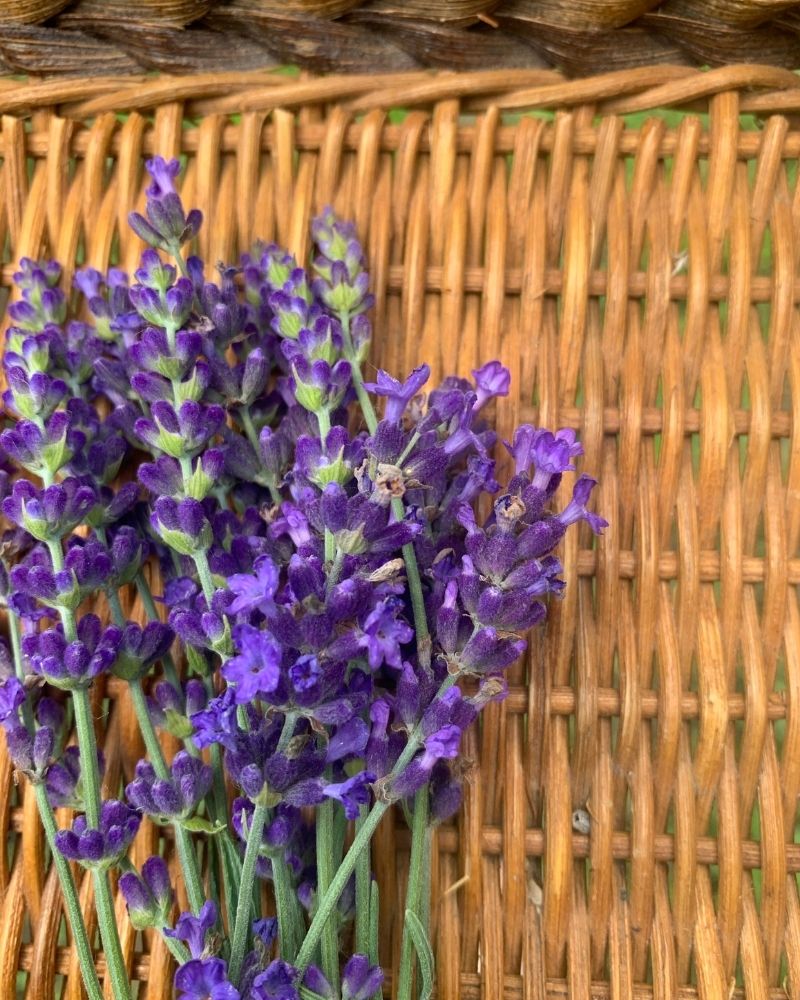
(101, 848)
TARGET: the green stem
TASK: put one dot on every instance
(364, 914)
(204, 574)
(362, 838)
(328, 902)
(249, 428)
(290, 925)
(80, 936)
(325, 863)
(415, 891)
(183, 840)
(364, 400)
(243, 909)
(69, 890)
(104, 904)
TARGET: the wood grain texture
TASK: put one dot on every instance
(78, 37)
(643, 286)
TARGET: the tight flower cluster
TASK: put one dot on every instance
(327, 585)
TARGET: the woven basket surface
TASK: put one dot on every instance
(578, 36)
(629, 828)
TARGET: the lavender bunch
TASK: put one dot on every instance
(327, 583)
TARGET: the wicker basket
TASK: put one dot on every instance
(182, 36)
(629, 831)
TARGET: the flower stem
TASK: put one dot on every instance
(362, 838)
(364, 913)
(69, 891)
(415, 901)
(183, 840)
(364, 400)
(325, 862)
(104, 904)
(244, 906)
(71, 901)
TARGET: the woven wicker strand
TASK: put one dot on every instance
(183, 36)
(629, 829)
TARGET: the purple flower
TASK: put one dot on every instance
(175, 798)
(217, 722)
(204, 979)
(141, 648)
(254, 670)
(492, 379)
(102, 847)
(254, 591)
(360, 979)
(167, 226)
(192, 929)
(352, 793)
(12, 696)
(63, 780)
(398, 394)
(576, 508)
(383, 633)
(277, 982)
(149, 896)
(182, 525)
(73, 664)
(52, 513)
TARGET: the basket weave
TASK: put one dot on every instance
(578, 36)
(630, 830)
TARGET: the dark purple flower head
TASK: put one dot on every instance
(182, 433)
(141, 648)
(73, 664)
(182, 525)
(103, 847)
(64, 781)
(170, 707)
(204, 979)
(192, 930)
(51, 513)
(30, 754)
(149, 896)
(173, 798)
(360, 979)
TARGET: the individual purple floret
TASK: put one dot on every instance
(174, 799)
(360, 979)
(148, 896)
(204, 979)
(192, 930)
(100, 848)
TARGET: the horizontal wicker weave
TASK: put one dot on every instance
(578, 36)
(630, 831)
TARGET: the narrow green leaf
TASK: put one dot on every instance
(424, 952)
